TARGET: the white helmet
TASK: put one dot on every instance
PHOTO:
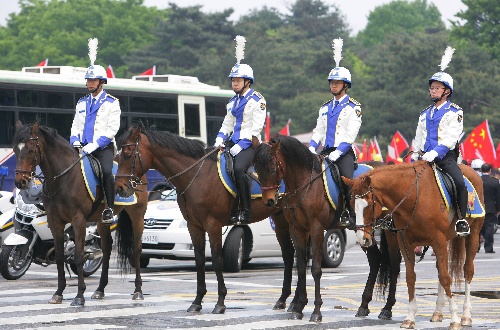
(241, 71)
(340, 73)
(96, 71)
(477, 163)
(444, 78)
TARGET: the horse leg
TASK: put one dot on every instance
(137, 228)
(215, 237)
(471, 246)
(198, 239)
(300, 243)
(391, 251)
(287, 253)
(317, 243)
(437, 316)
(407, 249)
(106, 246)
(57, 229)
(374, 256)
(79, 228)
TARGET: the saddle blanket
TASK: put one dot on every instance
(474, 207)
(91, 181)
(331, 188)
(226, 180)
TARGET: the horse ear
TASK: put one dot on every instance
(18, 124)
(348, 181)
(255, 142)
(34, 129)
(367, 180)
(135, 133)
(275, 147)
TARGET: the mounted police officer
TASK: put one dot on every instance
(337, 127)
(438, 130)
(95, 125)
(246, 115)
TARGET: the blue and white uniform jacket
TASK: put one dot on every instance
(441, 132)
(244, 118)
(98, 123)
(337, 126)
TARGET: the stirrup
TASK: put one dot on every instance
(464, 229)
(347, 220)
(107, 216)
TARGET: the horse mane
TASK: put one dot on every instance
(23, 134)
(296, 153)
(168, 140)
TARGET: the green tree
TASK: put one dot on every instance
(397, 17)
(59, 30)
(482, 25)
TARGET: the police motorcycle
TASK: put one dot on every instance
(32, 241)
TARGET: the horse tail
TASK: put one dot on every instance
(125, 240)
(384, 273)
(456, 259)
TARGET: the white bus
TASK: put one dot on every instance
(179, 104)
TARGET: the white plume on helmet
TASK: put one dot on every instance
(241, 70)
(95, 71)
(339, 73)
(442, 76)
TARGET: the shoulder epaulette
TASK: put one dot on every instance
(82, 99)
(259, 95)
(456, 106)
(354, 101)
(326, 103)
(111, 98)
(426, 108)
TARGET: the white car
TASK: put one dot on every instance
(6, 214)
(166, 237)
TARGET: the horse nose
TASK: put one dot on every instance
(367, 242)
(22, 183)
(270, 202)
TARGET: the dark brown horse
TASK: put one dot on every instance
(309, 214)
(413, 199)
(66, 200)
(204, 201)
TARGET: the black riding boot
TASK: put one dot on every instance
(233, 217)
(462, 226)
(109, 191)
(245, 215)
(348, 216)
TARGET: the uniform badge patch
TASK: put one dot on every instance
(262, 106)
(358, 112)
(460, 117)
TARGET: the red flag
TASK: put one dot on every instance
(371, 150)
(109, 72)
(399, 143)
(497, 161)
(149, 72)
(479, 144)
(377, 153)
(267, 128)
(364, 153)
(44, 62)
(286, 130)
(357, 151)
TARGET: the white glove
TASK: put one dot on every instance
(235, 150)
(313, 150)
(90, 148)
(219, 142)
(430, 156)
(414, 156)
(334, 155)
(77, 144)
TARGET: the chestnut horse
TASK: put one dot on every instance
(66, 200)
(418, 213)
(204, 201)
(309, 214)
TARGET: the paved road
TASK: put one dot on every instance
(169, 288)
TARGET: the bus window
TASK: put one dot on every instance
(162, 124)
(27, 98)
(192, 119)
(6, 128)
(153, 105)
(7, 97)
(61, 122)
(216, 107)
(58, 100)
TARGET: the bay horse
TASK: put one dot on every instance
(419, 214)
(67, 200)
(203, 200)
(309, 213)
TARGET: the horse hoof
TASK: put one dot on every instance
(279, 305)
(362, 312)
(437, 317)
(138, 296)
(385, 315)
(78, 302)
(56, 299)
(97, 295)
(466, 321)
(407, 324)
(296, 316)
(291, 307)
(219, 309)
(455, 326)
(316, 318)
(194, 308)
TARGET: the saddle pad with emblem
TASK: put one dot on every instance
(226, 180)
(474, 207)
(91, 181)
(331, 187)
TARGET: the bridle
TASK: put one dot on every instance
(133, 180)
(279, 176)
(30, 174)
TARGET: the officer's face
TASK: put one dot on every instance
(237, 83)
(336, 86)
(436, 89)
(92, 83)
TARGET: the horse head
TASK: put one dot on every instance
(367, 206)
(28, 152)
(269, 165)
(134, 160)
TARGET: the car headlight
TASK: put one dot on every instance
(183, 224)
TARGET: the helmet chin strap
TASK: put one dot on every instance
(97, 88)
(245, 85)
(342, 90)
(437, 99)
